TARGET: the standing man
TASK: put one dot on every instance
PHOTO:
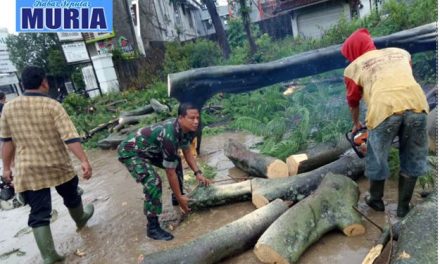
(156, 146)
(40, 130)
(396, 106)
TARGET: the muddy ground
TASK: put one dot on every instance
(116, 233)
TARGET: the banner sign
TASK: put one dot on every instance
(69, 36)
(64, 16)
(75, 52)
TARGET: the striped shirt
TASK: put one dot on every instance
(40, 128)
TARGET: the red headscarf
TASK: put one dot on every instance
(357, 44)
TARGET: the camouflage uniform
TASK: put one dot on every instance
(157, 146)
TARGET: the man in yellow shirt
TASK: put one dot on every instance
(41, 132)
(396, 106)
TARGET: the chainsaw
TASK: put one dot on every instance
(358, 141)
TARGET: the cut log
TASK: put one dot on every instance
(417, 241)
(147, 109)
(129, 120)
(214, 195)
(224, 242)
(101, 127)
(300, 186)
(315, 157)
(330, 207)
(255, 164)
(198, 85)
(158, 107)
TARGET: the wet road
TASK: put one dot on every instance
(116, 232)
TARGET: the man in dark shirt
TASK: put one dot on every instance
(157, 146)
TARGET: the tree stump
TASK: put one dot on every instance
(321, 154)
(224, 242)
(297, 187)
(214, 195)
(255, 164)
(330, 207)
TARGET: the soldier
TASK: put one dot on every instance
(157, 146)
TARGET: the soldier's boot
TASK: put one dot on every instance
(81, 214)
(406, 189)
(374, 200)
(154, 231)
(43, 237)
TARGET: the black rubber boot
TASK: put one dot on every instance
(154, 231)
(406, 189)
(374, 200)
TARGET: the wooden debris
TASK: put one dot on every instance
(224, 242)
(255, 164)
(330, 207)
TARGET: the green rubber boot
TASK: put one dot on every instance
(374, 200)
(43, 237)
(81, 214)
(406, 189)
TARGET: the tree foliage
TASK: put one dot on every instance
(32, 49)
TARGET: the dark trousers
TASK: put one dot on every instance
(40, 201)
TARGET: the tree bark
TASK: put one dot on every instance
(101, 127)
(214, 195)
(417, 241)
(321, 154)
(147, 109)
(224, 242)
(244, 10)
(158, 107)
(255, 164)
(298, 187)
(219, 30)
(330, 207)
(200, 84)
(129, 120)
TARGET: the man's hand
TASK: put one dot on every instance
(202, 180)
(86, 169)
(183, 202)
(7, 176)
(356, 127)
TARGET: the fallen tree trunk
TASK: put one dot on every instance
(330, 207)
(300, 186)
(214, 195)
(147, 109)
(198, 85)
(129, 120)
(101, 127)
(411, 248)
(255, 164)
(224, 242)
(158, 107)
(315, 157)
(417, 241)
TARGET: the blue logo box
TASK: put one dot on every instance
(64, 16)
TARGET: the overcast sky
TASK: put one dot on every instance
(7, 15)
